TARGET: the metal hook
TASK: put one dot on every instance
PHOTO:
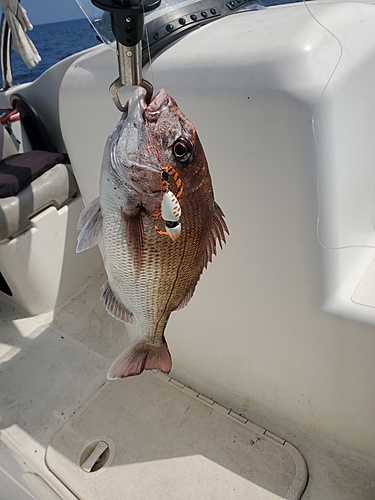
(149, 90)
(113, 92)
(117, 85)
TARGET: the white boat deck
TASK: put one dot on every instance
(54, 397)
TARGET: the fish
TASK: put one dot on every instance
(158, 223)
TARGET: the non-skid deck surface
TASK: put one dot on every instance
(166, 442)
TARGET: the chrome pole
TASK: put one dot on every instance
(130, 64)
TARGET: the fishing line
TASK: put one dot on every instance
(148, 47)
(316, 108)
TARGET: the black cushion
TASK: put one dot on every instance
(19, 170)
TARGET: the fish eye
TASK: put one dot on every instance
(182, 150)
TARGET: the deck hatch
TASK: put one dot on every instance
(170, 443)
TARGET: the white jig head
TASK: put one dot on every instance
(171, 213)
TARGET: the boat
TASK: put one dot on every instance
(271, 394)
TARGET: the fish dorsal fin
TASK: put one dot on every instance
(134, 236)
(90, 224)
(218, 230)
(114, 306)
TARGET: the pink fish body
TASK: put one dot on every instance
(154, 169)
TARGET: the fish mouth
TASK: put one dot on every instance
(159, 103)
(139, 110)
(131, 123)
(130, 157)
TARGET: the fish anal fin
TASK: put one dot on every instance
(217, 234)
(114, 306)
(90, 224)
(138, 357)
(134, 235)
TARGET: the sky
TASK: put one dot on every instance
(51, 11)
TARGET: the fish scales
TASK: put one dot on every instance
(168, 267)
(150, 275)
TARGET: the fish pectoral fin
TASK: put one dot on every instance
(90, 224)
(114, 306)
(138, 357)
(134, 236)
(217, 234)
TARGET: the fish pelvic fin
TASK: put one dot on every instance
(141, 356)
(90, 224)
(217, 234)
(114, 306)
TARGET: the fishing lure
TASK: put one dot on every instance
(170, 206)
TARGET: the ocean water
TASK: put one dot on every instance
(54, 42)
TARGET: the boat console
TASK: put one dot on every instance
(170, 21)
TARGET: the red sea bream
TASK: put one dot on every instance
(158, 222)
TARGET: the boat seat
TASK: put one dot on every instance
(39, 208)
(34, 180)
(29, 183)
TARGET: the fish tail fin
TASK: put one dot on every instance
(138, 357)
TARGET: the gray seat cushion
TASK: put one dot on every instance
(54, 187)
(19, 170)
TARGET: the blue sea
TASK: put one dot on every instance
(54, 42)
